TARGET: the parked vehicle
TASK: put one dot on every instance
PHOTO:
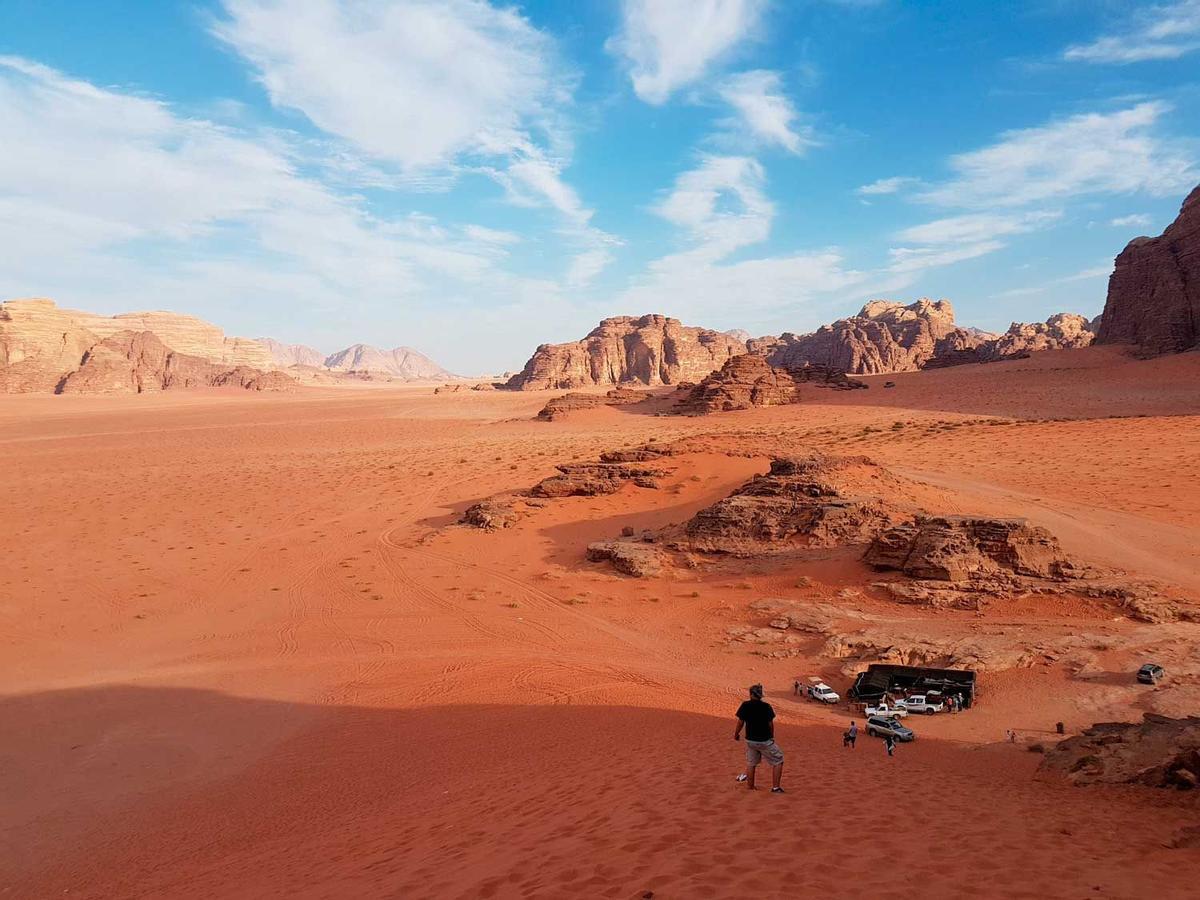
(878, 726)
(823, 692)
(919, 703)
(1151, 673)
(886, 712)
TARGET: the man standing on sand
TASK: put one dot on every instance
(758, 718)
(850, 736)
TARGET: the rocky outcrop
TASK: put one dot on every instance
(638, 560)
(492, 514)
(967, 548)
(651, 350)
(1158, 752)
(885, 336)
(42, 344)
(1154, 290)
(562, 406)
(798, 503)
(139, 362)
(1064, 331)
(748, 380)
(593, 479)
(293, 354)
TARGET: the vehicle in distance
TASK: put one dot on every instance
(1151, 673)
(823, 692)
(878, 726)
(919, 703)
(886, 712)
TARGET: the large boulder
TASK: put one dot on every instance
(650, 350)
(966, 548)
(749, 381)
(1158, 751)
(594, 479)
(1154, 290)
(638, 560)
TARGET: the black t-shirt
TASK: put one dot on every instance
(757, 715)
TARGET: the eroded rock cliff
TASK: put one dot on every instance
(650, 350)
(1154, 290)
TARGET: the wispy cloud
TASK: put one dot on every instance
(1154, 33)
(668, 44)
(425, 86)
(1135, 220)
(887, 186)
(721, 204)
(1114, 153)
(764, 112)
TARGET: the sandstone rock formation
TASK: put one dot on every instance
(138, 362)
(748, 381)
(560, 407)
(1154, 290)
(638, 560)
(44, 348)
(885, 336)
(293, 354)
(1158, 751)
(798, 503)
(1064, 331)
(492, 514)
(966, 548)
(650, 350)
(592, 479)
(402, 362)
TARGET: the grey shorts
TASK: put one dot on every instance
(759, 750)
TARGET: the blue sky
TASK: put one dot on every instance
(472, 179)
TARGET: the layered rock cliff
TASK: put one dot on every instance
(1064, 331)
(885, 336)
(1154, 290)
(139, 362)
(42, 346)
(651, 350)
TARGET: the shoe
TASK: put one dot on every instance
(776, 790)
(742, 777)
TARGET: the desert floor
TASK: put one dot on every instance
(244, 652)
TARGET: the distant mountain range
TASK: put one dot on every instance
(401, 362)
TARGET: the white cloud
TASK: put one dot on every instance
(886, 186)
(668, 44)
(764, 111)
(114, 201)
(976, 227)
(491, 235)
(1154, 33)
(425, 86)
(1115, 153)
(412, 82)
(917, 259)
(721, 203)
(1135, 220)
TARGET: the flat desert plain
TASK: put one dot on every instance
(246, 651)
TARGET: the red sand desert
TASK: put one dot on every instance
(246, 652)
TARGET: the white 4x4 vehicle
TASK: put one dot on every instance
(823, 692)
(887, 712)
(919, 703)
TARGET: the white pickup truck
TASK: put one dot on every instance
(894, 711)
(822, 692)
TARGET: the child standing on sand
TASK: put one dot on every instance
(889, 742)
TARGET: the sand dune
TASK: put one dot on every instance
(244, 654)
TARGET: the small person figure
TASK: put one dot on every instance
(850, 736)
(889, 743)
